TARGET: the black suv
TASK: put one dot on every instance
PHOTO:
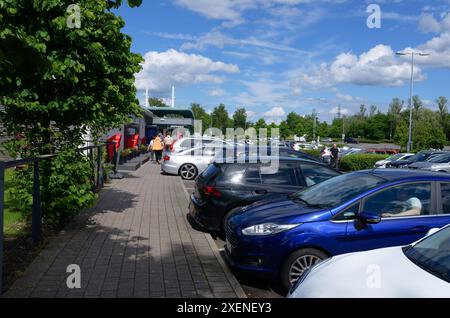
(223, 187)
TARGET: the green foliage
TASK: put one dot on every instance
(220, 118)
(69, 188)
(70, 78)
(360, 161)
(156, 102)
(240, 118)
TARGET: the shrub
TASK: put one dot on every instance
(65, 183)
(360, 161)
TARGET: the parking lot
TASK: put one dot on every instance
(252, 287)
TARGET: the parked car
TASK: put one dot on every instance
(436, 163)
(188, 163)
(350, 140)
(193, 142)
(399, 156)
(283, 237)
(381, 151)
(419, 270)
(225, 186)
(282, 152)
(418, 157)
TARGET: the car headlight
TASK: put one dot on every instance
(267, 229)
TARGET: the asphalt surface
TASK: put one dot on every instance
(254, 288)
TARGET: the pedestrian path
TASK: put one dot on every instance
(136, 242)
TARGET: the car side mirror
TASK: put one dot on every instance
(365, 218)
(369, 217)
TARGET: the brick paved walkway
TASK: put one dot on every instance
(136, 242)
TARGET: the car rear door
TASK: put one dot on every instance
(408, 211)
(285, 179)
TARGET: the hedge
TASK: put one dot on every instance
(360, 161)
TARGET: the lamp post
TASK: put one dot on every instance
(412, 53)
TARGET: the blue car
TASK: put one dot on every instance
(283, 237)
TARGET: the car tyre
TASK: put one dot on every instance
(297, 263)
(188, 171)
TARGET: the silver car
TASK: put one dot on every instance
(436, 163)
(193, 142)
(188, 163)
(396, 157)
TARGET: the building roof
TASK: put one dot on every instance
(165, 111)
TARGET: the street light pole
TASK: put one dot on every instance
(411, 90)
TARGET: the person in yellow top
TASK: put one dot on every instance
(158, 147)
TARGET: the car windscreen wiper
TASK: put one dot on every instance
(310, 205)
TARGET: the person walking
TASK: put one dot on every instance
(158, 147)
(150, 148)
(334, 157)
(168, 140)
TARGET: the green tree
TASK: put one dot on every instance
(240, 118)
(443, 111)
(201, 114)
(156, 102)
(394, 114)
(220, 118)
(58, 80)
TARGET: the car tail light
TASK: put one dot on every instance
(166, 158)
(211, 191)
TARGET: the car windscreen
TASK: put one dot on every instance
(395, 157)
(338, 190)
(433, 254)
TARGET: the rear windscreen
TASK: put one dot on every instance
(211, 171)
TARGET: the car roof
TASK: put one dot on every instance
(401, 174)
(256, 159)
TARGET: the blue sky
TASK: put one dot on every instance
(277, 56)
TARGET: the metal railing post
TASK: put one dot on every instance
(115, 174)
(99, 167)
(2, 192)
(36, 217)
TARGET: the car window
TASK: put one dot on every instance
(234, 173)
(401, 201)
(315, 173)
(285, 175)
(445, 189)
(349, 213)
(252, 174)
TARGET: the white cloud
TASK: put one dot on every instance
(161, 70)
(378, 66)
(277, 111)
(439, 48)
(217, 92)
(344, 111)
(429, 24)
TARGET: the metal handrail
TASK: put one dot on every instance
(36, 217)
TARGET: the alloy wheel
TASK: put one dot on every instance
(188, 171)
(300, 265)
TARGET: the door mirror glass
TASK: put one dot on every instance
(369, 218)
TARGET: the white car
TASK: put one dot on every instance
(420, 270)
(396, 157)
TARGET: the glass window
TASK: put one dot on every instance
(285, 175)
(348, 214)
(445, 189)
(433, 254)
(338, 190)
(401, 201)
(315, 173)
(235, 172)
(252, 174)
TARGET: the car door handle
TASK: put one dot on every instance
(420, 228)
(261, 191)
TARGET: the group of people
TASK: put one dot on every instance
(158, 144)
